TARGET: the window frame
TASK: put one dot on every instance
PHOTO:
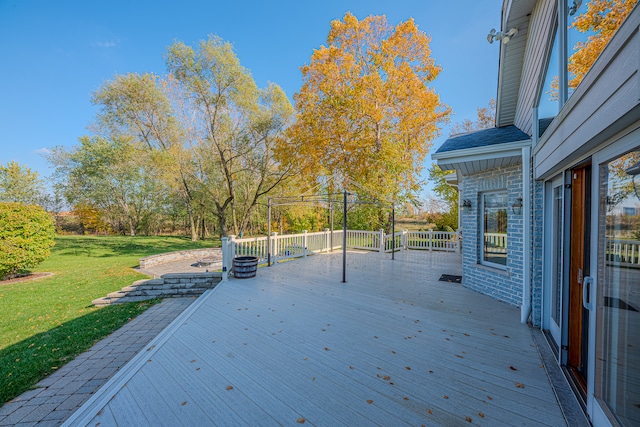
(482, 229)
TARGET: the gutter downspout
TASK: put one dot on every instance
(525, 309)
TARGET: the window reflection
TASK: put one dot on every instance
(495, 228)
(618, 358)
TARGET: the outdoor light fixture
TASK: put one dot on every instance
(516, 208)
(466, 204)
(500, 35)
(574, 8)
(634, 171)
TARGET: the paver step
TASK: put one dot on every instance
(170, 285)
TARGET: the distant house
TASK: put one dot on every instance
(550, 200)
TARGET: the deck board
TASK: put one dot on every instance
(391, 346)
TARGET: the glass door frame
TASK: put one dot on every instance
(596, 409)
(554, 257)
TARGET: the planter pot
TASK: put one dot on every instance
(245, 267)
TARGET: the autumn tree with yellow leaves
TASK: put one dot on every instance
(602, 18)
(366, 114)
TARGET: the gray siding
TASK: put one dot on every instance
(540, 39)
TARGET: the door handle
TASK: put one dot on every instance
(587, 300)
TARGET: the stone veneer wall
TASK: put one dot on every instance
(537, 241)
(504, 285)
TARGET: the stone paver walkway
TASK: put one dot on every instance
(59, 395)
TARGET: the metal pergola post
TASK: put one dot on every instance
(269, 232)
(344, 237)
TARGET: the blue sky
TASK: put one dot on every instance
(55, 54)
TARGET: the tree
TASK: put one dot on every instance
(486, 119)
(232, 127)
(601, 19)
(26, 237)
(449, 195)
(366, 113)
(19, 184)
(114, 176)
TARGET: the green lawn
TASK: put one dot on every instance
(45, 323)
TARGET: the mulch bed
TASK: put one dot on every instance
(25, 278)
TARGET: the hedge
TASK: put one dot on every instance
(26, 237)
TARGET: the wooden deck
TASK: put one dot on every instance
(393, 346)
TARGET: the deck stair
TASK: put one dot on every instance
(167, 286)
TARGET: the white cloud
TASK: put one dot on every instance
(106, 43)
(43, 151)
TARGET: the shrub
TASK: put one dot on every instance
(26, 237)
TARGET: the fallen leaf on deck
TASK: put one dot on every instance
(375, 336)
(446, 397)
(512, 368)
(326, 348)
(193, 360)
(369, 401)
(466, 335)
(468, 419)
(519, 385)
(506, 336)
(305, 358)
(461, 357)
(405, 398)
(301, 420)
(480, 414)
(430, 371)
(229, 387)
(489, 397)
(407, 368)
(429, 411)
(313, 378)
(391, 383)
(351, 367)
(386, 378)
(183, 403)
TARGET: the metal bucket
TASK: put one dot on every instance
(245, 267)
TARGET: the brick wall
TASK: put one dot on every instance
(504, 285)
(536, 252)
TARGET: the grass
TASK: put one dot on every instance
(47, 322)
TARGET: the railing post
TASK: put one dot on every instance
(274, 249)
(304, 243)
(381, 245)
(225, 258)
(458, 241)
(430, 234)
(405, 238)
(326, 240)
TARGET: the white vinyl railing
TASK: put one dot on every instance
(623, 252)
(495, 242)
(300, 245)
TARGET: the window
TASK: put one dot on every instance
(494, 229)
(617, 364)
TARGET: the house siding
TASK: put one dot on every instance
(504, 285)
(536, 58)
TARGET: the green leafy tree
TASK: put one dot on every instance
(232, 128)
(26, 237)
(114, 176)
(21, 185)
